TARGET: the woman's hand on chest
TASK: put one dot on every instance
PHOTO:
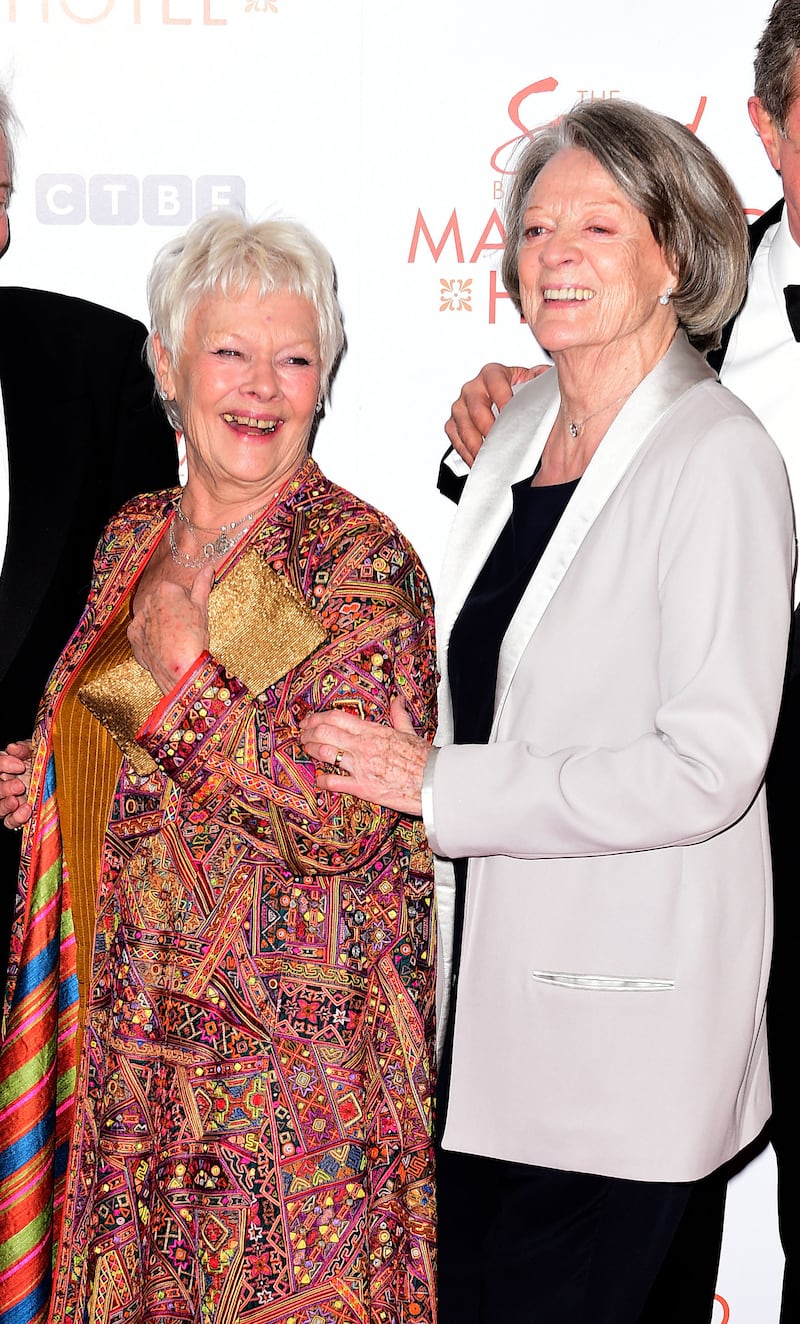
(169, 629)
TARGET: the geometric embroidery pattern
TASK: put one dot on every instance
(254, 1103)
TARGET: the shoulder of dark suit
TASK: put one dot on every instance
(757, 230)
(762, 223)
(47, 306)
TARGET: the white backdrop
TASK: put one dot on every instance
(386, 128)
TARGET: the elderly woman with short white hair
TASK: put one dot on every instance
(613, 620)
(216, 1071)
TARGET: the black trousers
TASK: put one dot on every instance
(539, 1246)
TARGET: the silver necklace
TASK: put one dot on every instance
(224, 541)
(575, 429)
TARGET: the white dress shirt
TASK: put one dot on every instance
(762, 365)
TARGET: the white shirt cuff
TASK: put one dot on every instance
(427, 797)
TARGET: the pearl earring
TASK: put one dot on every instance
(665, 298)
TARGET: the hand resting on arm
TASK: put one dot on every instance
(481, 399)
(383, 764)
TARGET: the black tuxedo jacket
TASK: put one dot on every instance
(84, 433)
(717, 357)
(757, 231)
(783, 999)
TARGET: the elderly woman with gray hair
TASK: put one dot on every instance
(215, 1077)
(613, 620)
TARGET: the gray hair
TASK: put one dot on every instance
(670, 176)
(776, 61)
(224, 253)
(9, 128)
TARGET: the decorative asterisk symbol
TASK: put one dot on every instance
(456, 296)
(261, 6)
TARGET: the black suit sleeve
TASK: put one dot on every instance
(101, 438)
(449, 483)
(70, 470)
(141, 441)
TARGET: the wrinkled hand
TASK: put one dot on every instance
(472, 415)
(170, 628)
(383, 764)
(15, 781)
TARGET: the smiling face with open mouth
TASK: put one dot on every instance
(247, 383)
(590, 269)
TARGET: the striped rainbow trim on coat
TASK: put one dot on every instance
(37, 1081)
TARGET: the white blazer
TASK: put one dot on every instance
(617, 935)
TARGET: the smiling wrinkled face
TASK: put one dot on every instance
(590, 269)
(246, 384)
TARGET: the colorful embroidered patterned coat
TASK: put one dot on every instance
(249, 1137)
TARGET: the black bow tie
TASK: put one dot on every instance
(792, 294)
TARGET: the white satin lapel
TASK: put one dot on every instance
(510, 454)
(679, 370)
